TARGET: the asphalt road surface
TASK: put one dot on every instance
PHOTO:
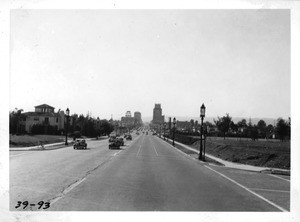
(147, 174)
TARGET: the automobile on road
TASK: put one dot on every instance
(120, 140)
(114, 145)
(80, 144)
(129, 137)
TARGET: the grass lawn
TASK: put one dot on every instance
(33, 140)
(258, 153)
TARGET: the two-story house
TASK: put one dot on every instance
(43, 115)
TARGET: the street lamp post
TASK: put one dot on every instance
(159, 130)
(98, 127)
(202, 115)
(165, 130)
(67, 125)
(174, 122)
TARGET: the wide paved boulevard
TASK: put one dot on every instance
(147, 174)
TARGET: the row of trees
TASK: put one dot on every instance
(227, 127)
(91, 127)
(80, 125)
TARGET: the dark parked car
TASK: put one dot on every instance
(120, 140)
(114, 145)
(80, 144)
(129, 137)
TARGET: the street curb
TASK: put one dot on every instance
(191, 157)
(50, 147)
(268, 170)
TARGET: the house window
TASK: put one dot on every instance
(36, 119)
(57, 120)
(46, 120)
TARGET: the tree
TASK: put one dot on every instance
(223, 124)
(253, 132)
(242, 127)
(262, 128)
(105, 127)
(14, 121)
(282, 128)
(269, 130)
(234, 127)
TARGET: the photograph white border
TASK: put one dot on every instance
(6, 6)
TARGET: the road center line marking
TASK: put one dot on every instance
(279, 177)
(139, 150)
(155, 150)
(240, 185)
(67, 190)
(117, 153)
(284, 191)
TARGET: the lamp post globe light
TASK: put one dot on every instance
(174, 123)
(202, 115)
(67, 125)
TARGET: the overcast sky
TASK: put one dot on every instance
(110, 61)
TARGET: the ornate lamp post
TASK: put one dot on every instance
(116, 128)
(202, 115)
(98, 127)
(160, 130)
(174, 123)
(67, 125)
(165, 124)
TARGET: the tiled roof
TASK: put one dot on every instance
(44, 106)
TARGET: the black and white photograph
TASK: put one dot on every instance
(147, 110)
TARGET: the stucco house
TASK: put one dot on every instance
(43, 115)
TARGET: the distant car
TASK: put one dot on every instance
(114, 145)
(153, 134)
(120, 140)
(129, 137)
(80, 144)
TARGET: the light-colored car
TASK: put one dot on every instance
(80, 144)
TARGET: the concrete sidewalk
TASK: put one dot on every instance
(237, 165)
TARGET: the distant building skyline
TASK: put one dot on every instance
(129, 121)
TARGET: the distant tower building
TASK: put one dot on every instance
(138, 118)
(127, 120)
(158, 118)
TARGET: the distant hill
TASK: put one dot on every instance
(211, 119)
